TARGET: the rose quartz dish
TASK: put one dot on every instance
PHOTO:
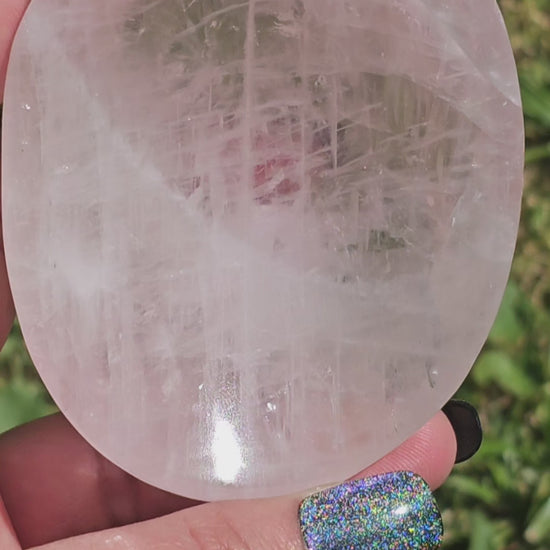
(254, 245)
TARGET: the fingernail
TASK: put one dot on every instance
(395, 510)
(467, 427)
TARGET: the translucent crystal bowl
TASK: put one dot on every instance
(254, 245)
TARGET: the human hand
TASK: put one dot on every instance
(55, 486)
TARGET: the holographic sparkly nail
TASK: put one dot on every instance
(393, 511)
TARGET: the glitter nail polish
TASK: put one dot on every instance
(389, 511)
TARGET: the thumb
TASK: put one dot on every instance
(375, 510)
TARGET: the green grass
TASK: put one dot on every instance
(22, 395)
(501, 498)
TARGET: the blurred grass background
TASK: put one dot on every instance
(500, 500)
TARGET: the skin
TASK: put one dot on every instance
(57, 493)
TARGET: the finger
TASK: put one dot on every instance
(430, 453)
(48, 462)
(55, 485)
(11, 12)
(8, 538)
(264, 525)
(273, 524)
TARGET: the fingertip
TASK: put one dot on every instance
(438, 436)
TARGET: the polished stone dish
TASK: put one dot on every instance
(254, 245)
